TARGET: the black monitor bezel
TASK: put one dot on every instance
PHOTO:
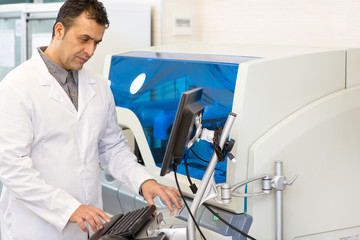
(183, 128)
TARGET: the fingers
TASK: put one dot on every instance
(166, 199)
(81, 224)
(91, 215)
(150, 201)
(168, 194)
(175, 197)
(175, 191)
(102, 214)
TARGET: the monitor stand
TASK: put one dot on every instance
(207, 187)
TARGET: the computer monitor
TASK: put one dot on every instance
(183, 128)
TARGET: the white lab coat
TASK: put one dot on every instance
(50, 153)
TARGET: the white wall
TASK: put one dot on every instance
(304, 22)
(290, 22)
(163, 12)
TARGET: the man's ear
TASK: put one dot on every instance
(59, 31)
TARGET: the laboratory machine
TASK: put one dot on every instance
(293, 168)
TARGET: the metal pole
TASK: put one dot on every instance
(207, 176)
(279, 204)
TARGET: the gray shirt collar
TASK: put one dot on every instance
(55, 70)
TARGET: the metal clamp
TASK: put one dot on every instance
(279, 182)
(227, 191)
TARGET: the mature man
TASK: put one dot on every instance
(57, 122)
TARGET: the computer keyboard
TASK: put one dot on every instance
(126, 225)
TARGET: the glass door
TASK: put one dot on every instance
(39, 33)
(10, 42)
(39, 25)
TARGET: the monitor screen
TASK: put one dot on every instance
(183, 128)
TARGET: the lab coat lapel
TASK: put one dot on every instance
(56, 92)
(86, 91)
(47, 80)
(61, 97)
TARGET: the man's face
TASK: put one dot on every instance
(78, 43)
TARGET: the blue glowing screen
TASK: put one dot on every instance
(151, 84)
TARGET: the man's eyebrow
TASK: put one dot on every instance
(87, 36)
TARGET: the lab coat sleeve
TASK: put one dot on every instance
(17, 171)
(115, 155)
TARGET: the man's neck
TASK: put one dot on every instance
(51, 53)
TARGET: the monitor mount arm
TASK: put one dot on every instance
(201, 133)
(228, 191)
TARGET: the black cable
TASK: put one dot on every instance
(217, 148)
(201, 159)
(187, 207)
(186, 168)
(192, 186)
(228, 145)
(228, 224)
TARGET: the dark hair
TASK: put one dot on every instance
(71, 9)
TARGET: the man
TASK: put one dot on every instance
(57, 122)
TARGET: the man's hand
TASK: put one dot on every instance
(151, 189)
(89, 214)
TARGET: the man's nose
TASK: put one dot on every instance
(90, 49)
